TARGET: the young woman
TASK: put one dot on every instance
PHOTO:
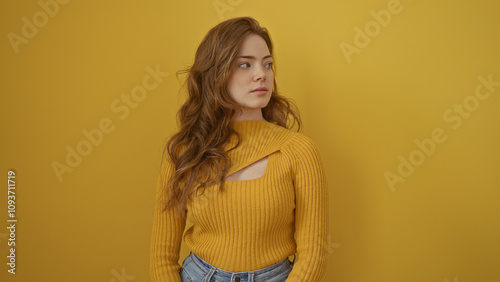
(254, 190)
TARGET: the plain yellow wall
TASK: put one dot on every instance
(395, 94)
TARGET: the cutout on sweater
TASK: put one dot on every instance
(252, 171)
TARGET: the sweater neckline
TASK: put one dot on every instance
(251, 123)
(259, 131)
(258, 138)
(248, 121)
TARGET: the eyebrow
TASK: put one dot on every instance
(253, 58)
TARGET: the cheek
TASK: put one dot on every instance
(236, 82)
(270, 79)
(231, 83)
(270, 74)
(234, 88)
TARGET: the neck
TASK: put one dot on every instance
(246, 115)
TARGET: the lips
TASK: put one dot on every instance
(259, 89)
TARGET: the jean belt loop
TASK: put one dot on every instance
(250, 276)
(209, 275)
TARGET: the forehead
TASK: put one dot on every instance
(255, 45)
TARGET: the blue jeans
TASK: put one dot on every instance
(197, 270)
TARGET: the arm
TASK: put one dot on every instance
(311, 212)
(168, 228)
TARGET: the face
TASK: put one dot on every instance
(253, 70)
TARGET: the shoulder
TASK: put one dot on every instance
(298, 140)
(304, 157)
(301, 146)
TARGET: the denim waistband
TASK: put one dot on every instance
(244, 275)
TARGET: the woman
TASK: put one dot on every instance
(254, 190)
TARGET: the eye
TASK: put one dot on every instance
(269, 65)
(243, 65)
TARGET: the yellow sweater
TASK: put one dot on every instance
(253, 223)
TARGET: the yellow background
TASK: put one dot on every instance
(441, 224)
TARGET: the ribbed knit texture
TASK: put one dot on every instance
(253, 223)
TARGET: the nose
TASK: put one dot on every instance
(260, 74)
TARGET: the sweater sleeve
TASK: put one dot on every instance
(311, 212)
(168, 228)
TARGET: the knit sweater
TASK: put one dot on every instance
(253, 223)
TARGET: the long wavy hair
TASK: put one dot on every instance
(197, 151)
